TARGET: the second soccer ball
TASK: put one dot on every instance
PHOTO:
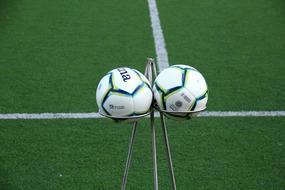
(180, 90)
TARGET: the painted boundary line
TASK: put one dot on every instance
(159, 42)
(243, 114)
(93, 115)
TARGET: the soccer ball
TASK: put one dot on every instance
(123, 93)
(180, 90)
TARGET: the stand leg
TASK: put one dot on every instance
(129, 158)
(154, 160)
(167, 147)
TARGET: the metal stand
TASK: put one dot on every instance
(150, 73)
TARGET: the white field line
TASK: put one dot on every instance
(93, 115)
(160, 48)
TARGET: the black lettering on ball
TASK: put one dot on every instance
(124, 74)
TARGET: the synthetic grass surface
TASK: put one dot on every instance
(238, 45)
(208, 153)
(53, 53)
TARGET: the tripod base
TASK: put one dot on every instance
(150, 73)
(154, 157)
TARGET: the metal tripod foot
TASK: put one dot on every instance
(168, 153)
(129, 158)
(154, 158)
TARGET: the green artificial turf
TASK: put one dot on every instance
(208, 153)
(53, 53)
(238, 45)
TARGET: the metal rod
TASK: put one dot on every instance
(154, 73)
(154, 160)
(129, 158)
(168, 153)
(149, 72)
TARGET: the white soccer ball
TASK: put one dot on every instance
(180, 90)
(124, 92)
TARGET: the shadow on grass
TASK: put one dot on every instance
(3, 181)
(4, 4)
(7, 9)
